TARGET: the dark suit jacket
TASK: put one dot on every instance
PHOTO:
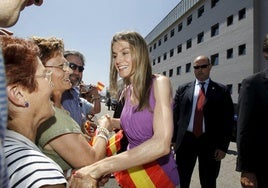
(218, 114)
(252, 130)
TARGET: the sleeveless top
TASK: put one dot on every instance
(56, 126)
(138, 127)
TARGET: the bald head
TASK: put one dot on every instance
(202, 58)
(202, 67)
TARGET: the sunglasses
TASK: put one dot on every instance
(74, 67)
(63, 66)
(201, 66)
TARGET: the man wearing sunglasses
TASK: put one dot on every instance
(71, 99)
(210, 104)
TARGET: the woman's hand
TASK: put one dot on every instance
(106, 122)
(83, 182)
(87, 177)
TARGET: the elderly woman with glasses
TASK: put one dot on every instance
(61, 137)
(28, 89)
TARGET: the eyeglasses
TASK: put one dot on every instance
(46, 75)
(63, 66)
(74, 67)
(201, 66)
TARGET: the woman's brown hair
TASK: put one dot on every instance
(20, 59)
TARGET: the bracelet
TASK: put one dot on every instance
(103, 130)
(69, 173)
(103, 136)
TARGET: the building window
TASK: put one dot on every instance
(153, 61)
(179, 27)
(165, 56)
(179, 70)
(242, 49)
(189, 44)
(200, 37)
(179, 49)
(171, 52)
(215, 59)
(242, 14)
(214, 2)
(229, 53)
(215, 30)
(150, 49)
(170, 72)
(230, 20)
(159, 42)
(171, 33)
(189, 20)
(230, 88)
(165, 38)
(200, 11)
(164, 73)
(154, 45)
(159, 59)
(188, 67)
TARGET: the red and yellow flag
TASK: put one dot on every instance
(100, 86)
(149, 175)
(113, 145)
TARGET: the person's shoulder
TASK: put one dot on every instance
(217, 84)
(161, 82)
(85, 102)
(219, 87)
(67, 94)
(59, 124)
(256, 81)
(186, 85)
(258, 75)
(161, 78)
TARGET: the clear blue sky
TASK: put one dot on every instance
(88, 26)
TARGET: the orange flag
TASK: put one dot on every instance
(100, 86)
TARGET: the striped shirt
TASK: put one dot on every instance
(3, 121)
(27, 166)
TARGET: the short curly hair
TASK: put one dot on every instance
(49, 47)
(20, 58)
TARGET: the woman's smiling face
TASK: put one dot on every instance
(122, 58)
(61, 73)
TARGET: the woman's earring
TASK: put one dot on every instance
(26, 104)
(51, 85)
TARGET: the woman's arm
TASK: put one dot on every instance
(76, 151)
(74, 148)
(152, 149)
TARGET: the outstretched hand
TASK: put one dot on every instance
(77, 181)
(106, 121)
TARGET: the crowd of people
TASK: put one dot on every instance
(164, 136)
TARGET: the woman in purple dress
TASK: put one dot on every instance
(146, 119)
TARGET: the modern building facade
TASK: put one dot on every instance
(230, 32)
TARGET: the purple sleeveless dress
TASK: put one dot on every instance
(138, 127)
